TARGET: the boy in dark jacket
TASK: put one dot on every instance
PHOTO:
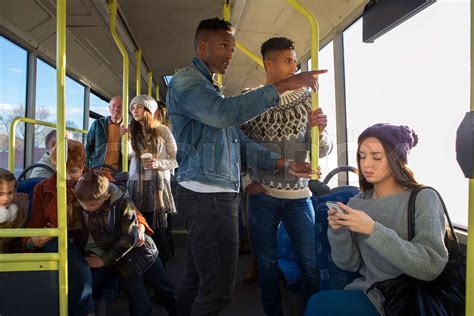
(111, 220)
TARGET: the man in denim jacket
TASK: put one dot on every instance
(205, 126)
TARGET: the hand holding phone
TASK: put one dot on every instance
(333, 205)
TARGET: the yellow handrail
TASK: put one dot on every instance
(123, 51)
(470, 237)
(28, 257)
(247, 52)
(157, 92)
(12, 144)
(149, 80)
(28, 232)
(61, 153)
(314, 66)
(138, 56)
(239, 45)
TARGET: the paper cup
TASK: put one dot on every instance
(145, 157)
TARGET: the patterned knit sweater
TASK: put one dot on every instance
(284, 129)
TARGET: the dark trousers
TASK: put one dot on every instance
(211, 251)
(80, 300)
(138, 298)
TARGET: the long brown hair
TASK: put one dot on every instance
(401, 172)
(151, 140)
(161, 114)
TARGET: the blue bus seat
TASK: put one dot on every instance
(28, 186)
(331, 277)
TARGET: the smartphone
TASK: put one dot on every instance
(333, 205)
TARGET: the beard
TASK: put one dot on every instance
(8, 214)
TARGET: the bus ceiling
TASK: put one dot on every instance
(164, 32)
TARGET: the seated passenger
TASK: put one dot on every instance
(13, 210)
(44, 214)
(113, 236)
(49, 143)
(371, 236)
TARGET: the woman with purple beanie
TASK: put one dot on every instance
(370, 236)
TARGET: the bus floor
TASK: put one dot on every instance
(246, 300)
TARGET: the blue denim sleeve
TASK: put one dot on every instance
(255, 155)
(196, 98)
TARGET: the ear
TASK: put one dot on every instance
(202, 46)
(267, 63)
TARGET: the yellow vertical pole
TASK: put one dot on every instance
(157, 92)
(138, 56)
(150, 81)
(226, 16)
(123, 51)
(314, 66)
(61, 153)
(470, 236)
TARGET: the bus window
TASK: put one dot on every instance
(99, 106)
(327, 101)
(13, 74)
(46, 105)
(417, 75)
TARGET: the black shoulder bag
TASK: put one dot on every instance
(445, 295)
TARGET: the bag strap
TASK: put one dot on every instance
(451, 236)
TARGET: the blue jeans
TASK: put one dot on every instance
(138, 299)
(340, 303)
(297, 215)
(80, 300)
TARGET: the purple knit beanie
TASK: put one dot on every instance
(398, 138)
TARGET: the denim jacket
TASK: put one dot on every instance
(205, 126)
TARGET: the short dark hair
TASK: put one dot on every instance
(51, 135)
(214, 24)
(276, 44)
(91, 186)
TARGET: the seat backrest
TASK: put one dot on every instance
(330, 276)
(28, 186)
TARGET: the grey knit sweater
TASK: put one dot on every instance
(386, 253)
(284, 129)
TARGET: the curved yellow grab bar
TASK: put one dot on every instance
(314, 66)
(11, 142)
(123, 51)
(247, 52)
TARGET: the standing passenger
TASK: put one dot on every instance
(148, 187)
(103, 138)
(205, 124)
(275, 197)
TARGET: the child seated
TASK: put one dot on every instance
(111, 221)
(13, 210)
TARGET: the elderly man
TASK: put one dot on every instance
(49, 143)
(103, 139)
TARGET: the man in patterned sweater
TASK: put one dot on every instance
(275, 197)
